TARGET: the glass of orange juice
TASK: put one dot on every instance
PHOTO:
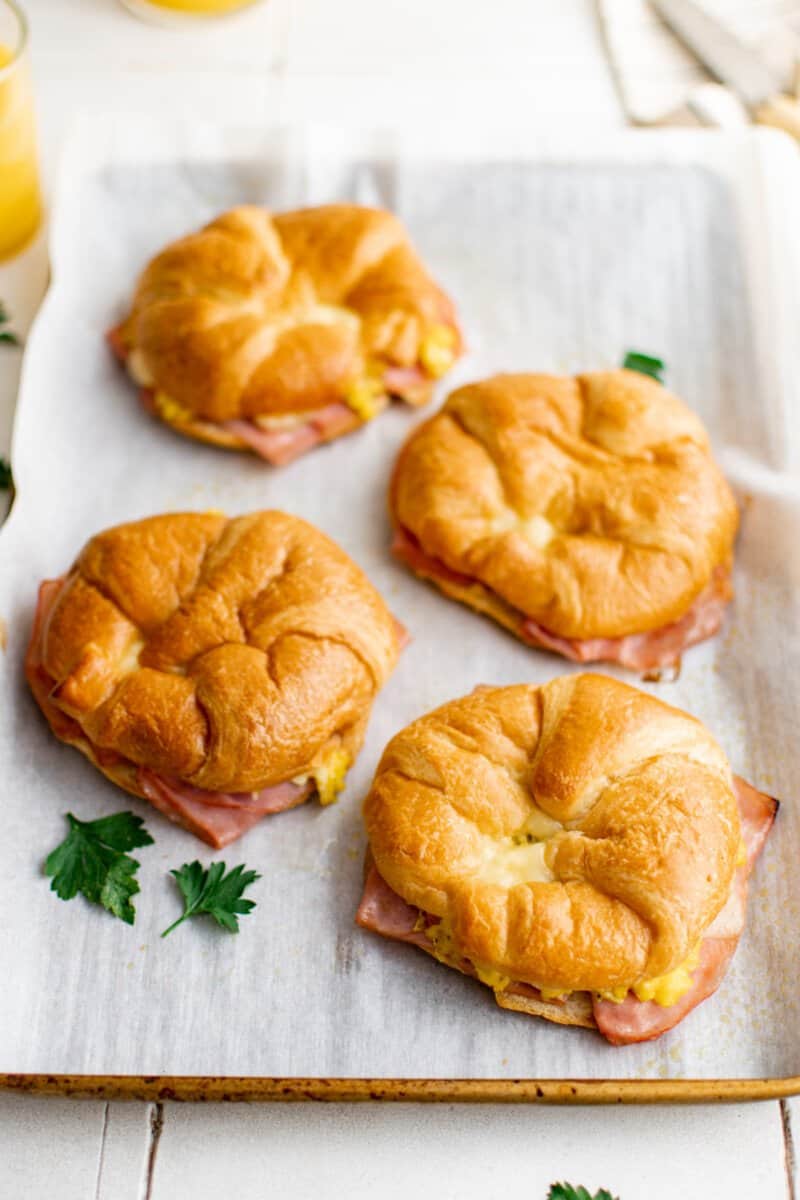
(20, 198)
(177, 11)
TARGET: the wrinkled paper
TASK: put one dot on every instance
(560, 259)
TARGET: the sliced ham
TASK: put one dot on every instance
(383, 911)
(638, 652)
(637, 1020)
(757, 811)
(282, 446)
(40, 682)
(219, 818)
(645, 651)
(408, 550)
(402, 379)
(403, 636)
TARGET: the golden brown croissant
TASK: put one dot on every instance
(275, 333)
(223, 669)
(580, 847)
(585, 514)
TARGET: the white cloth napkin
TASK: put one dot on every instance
(659, 79)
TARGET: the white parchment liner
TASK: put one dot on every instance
(560, 258)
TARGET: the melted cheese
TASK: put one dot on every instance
(513, 862)
(138, 369)
(130, 660)
(285, 420)
(319, 314)
(538, 825)
(538, 530)
(437, 351)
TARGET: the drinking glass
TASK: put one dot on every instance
(20, 197)
(184, 11)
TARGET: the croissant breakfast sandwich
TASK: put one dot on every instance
(275, 333)
(584, 514)
(582, 848)
(223, 669)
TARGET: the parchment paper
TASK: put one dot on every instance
(560, 259)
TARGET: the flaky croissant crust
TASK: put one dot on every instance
(258, 315)
(632, 799)
(224, 653)
(591, 504)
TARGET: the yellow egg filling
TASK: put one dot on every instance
(366, 397)
(330, 775)
(437, 351)
(171, 410)
(446, 951)
(665, 990)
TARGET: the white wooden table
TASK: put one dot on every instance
(347, 61)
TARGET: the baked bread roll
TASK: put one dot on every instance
(580, 847)
(585, 514)
(274, 333)
(221, 668)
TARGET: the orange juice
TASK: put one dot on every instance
(190, 8)
(20, 199)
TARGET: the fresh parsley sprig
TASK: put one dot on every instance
(645, 364)
(7, 335)
(214, 893)
(6, 478)
(92, 860)
(566, 1191)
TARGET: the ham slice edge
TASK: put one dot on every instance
(219, 818)
(639, 652)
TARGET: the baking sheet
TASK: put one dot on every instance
(561, 258)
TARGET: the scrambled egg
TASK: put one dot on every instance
(330, 775)
(665, 990)
(447, 952)
(366, 397)
(437, 351)
(170, 410)
(741, 856)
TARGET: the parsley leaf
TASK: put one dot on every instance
(645, 364)
(92, 860)
(6, 478)
(567, 1191)
(6, 335)
(215, 893)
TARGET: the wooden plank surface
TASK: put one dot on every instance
(457, 1153)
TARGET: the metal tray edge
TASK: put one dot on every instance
(476, 1091)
